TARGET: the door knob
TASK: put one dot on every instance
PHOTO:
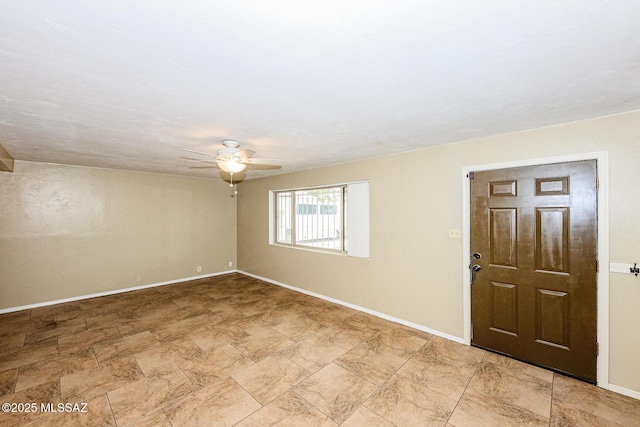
(477, 255)
(475, 268)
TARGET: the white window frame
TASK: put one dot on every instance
(355, 219)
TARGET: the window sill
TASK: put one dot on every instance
(309, 249)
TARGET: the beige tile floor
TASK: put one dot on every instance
(233, 350)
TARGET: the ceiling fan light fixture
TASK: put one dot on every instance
(231, 166)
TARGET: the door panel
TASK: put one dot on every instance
(504, 237)
(552, 326)
(552, 239)
(505, 308)
(534, 297)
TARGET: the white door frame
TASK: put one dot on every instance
(602, 159)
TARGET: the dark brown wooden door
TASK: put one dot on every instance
(534, 297)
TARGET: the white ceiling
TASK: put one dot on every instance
(126, 84)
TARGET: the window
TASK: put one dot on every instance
(318, 219)
(332, 218)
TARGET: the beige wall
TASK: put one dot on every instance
(68, 231)
(414, 272)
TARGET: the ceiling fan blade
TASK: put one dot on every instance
(189, 159)
(261, 166)
(259, 161)
(199, 152)
(245, 154)
(204, 167)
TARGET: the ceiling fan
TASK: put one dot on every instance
(232, 160)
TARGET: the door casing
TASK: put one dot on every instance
(602, 159)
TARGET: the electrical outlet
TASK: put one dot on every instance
(138, 278)
(230, 264)
(454, 233)
(199, 269)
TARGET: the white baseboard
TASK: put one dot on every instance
(358, 308)
(117, 291)
(625, 391)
